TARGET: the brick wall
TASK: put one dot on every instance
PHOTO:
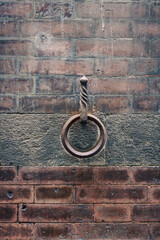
(46, 46)
(79, 203)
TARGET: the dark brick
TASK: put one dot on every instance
(55, 213)
(7, 66)
(155, 231)
(56, 175)
(154, 194)
(16, 231)
(16, 85)
(16, 10)
(146, 104)
(146, 67)
(16, 194)
(112, 194)
(155, 83)
(7, 104)
(8, 29)
(112, 213)
(8, 175)
(112, 175)
(112, 231)
(52, 231)
(8, 213)
(149, 175)
(146, 213)
(155, 10)
(54, 194)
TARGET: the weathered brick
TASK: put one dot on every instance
(118, 85)
(120, 48)
(54, 194)
(154, 194)
(7, 104)
(7, 66)
(55, 85)
(155, 231)
(155, 49)
(112, 105)
(55, 213)
(111, 175)
(16, 194)
(155, 83)
(112, 194)
(146, 104)
(54, 10)
(146, 213)
(112, 213)
(14, 10)
(16, 85)
(56, 175)
(146, 67)
(8, 175)
(8, 29)
(56, 67)
(16, 231)
(112, 67)
(52, 231)
(8, 213)
(112, 231)
(155, 11)
(114, 29)
(18, 48)
(74, 28)
(46, 46)
(112, 10)
(150, 175)
(147, 29)
(48, 104)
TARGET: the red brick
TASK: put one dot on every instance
(20, 10)
(112, 10)
(8, 29)
(114, 29)
(56, 175)
(56, 67)
(55, 85)
(120, 48)
(155, 11)
(16, 85)
(146, 104)
(113, 231)
(7, 66)
(146, 67)
(8, 213)
(155, 231)
(113, 104)
(147, 29)
(112, 67)
(154, 194)
(55, 213)
(155, 82)
(16, 231)
(119, 85)
(18, 48)
(52, 231)
(112, 213)
(111, 175)
(146, 175)
(74, 28)
(8, 175)
(46, 46)
(54, 194)
(16, 194)
(155, 49)
(7, 104)
(54, 10)
(146, 213)
(111, 194)
(48, 104)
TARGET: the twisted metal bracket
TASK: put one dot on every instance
(83, 100)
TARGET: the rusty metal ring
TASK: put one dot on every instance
(97, 148)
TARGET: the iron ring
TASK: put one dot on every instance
(96, 149)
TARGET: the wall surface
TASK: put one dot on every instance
(46, 46)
